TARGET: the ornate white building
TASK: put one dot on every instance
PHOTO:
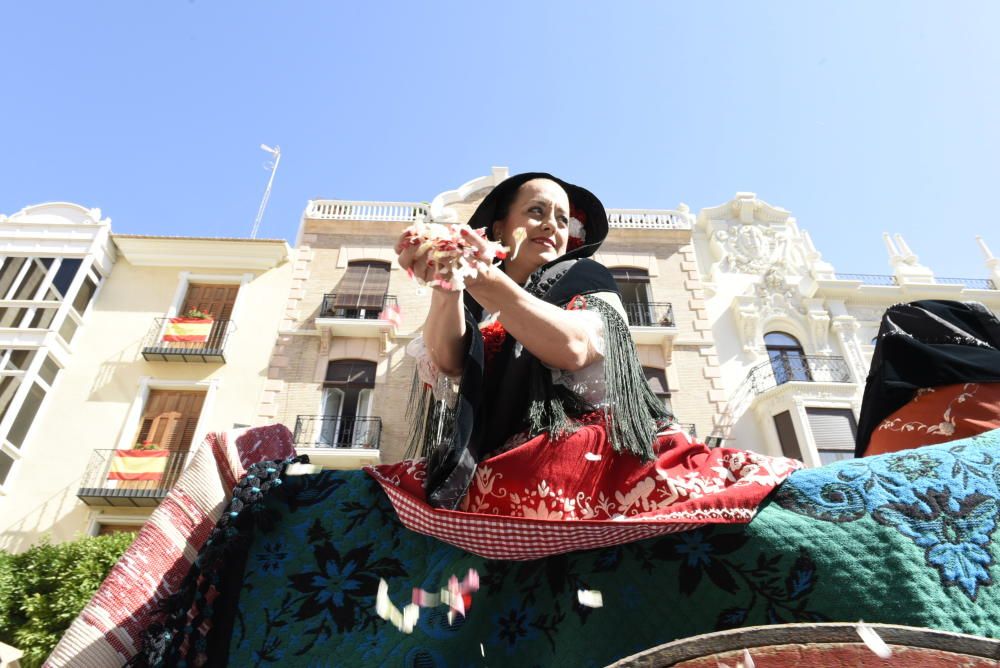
(794, 337)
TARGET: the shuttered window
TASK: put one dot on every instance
(170, 418)
(786, 435)
(215, 300)
(834, 431)
(363, 287)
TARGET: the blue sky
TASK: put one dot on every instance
(858, 117)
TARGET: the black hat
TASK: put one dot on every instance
(584, 206)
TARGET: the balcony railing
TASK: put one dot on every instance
(101, 486)
(357, 307)
(974, 283)
(403, 212)
(868, 279)
(648, 219)
(785, 368)
(650, 314)
(325, 431)
(211, 349)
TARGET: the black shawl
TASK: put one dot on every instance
(926, 344)
(519, 394)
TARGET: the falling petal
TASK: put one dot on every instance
(747, 660)
(873, 640)
(590, 598)
(592, 456)
(482, 650)
(519, 236)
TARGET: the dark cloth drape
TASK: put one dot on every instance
(926, 344)
(491, 409)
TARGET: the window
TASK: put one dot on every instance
(8, 274)
(170, 418)
(105, 529)
(657, 379)
(786, 435)
(6, 464)
(633, 284)
(348, 394)
(26, 415)
(834, 431)
(65, 275)
(362, 290)
(787, 359)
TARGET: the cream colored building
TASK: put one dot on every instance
(340, 376)
(796, 336)
(89, 368)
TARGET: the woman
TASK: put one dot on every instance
(552, 418)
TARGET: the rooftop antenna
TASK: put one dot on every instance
(276, 153)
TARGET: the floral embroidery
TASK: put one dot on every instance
(942, 497)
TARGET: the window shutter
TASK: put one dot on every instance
(363, 286)
(170, 418)
(832, 428)
(786, 435)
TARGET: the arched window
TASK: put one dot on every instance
(348, 393)
(788, 362)
(362, 290)
(633, 284)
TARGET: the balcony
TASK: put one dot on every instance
(401, 212)
(782, 369)
(651, 323)
(164, 344)
(112, 479)
(649, 219)
(338, 442)
(367, 318)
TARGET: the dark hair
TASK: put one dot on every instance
(503, 207)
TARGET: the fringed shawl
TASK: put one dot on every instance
(519, 393)
(926, 344)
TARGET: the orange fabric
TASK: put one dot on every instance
(938, 415)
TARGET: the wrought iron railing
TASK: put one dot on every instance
(103, 484)
(974, 283)
(210, 348)
(784, 368)
(356, 307)
(868, 279)
(651, 314)
(326, 431)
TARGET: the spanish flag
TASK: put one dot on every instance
(190, 330)
(138, 464)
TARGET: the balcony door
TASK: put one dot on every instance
(788, 362)
(217, 300)
(348, 394)
(169, 420)
(633, 284)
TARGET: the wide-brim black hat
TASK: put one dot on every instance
(584, 206)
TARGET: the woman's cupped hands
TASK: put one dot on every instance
(445, 257)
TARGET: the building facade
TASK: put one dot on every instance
(106, 386)
(744, 331)
(340, 376)
(796, 336)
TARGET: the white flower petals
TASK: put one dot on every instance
(592, 456)
(747, 661)
(590, 598)
(519, 236)
(404, 620)
(873, 640)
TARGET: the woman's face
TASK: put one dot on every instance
(541, 209)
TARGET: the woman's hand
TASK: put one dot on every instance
(415, 259)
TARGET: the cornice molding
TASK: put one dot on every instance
(246, 254)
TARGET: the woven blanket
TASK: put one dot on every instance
(906, 538)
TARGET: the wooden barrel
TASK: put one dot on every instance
(833, 645)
